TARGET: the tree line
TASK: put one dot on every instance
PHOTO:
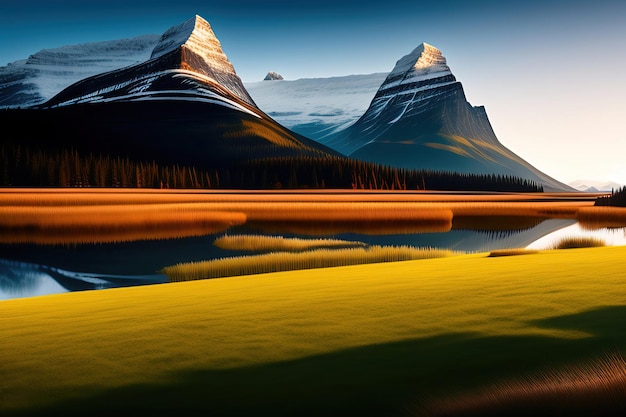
(23, 166)
(342, 173)
(617, 198)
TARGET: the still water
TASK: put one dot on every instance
(28, 270)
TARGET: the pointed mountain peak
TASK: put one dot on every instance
(272, 76)
(424, 67)
(187, 63)
(193, 32)
(423, 60)
(197, 49)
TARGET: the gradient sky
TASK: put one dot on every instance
(552, 74)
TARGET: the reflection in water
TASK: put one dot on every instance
(364, 227)
(593, 218)
(31, 269)
(487, 224)
(22, 279)
(610, 236)
(18, 280)
(105, 224)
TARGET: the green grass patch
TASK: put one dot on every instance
(366, 340)
(290, 261)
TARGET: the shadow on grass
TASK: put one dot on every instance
(391, 379)
(591, 386)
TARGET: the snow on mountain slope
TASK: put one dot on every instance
(202, 52)
(316, 107)
(34, 80)
(186, 64)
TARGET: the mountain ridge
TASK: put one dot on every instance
(419, 105)
(37, 78)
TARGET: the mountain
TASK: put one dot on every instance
(187, 63)
(594, 186)
(420, 118)
(273, 76)
(36, 79)
(185, 104)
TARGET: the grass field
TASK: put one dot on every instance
(371, 340)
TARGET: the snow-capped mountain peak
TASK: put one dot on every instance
(201, 52)
(423, 63)
(186, 64)
(195, 35)
(423, 59)
(417, 76)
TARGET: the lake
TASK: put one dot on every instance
(46, 260)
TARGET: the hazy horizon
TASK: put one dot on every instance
(547, 72)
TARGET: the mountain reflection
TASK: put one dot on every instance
(23, 279)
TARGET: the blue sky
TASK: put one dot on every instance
(550, 73)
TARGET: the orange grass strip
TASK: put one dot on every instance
(561, 209)
(101, 224)
(320, 227)
(598, 217)
(94, 196)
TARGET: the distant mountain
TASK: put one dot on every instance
(36, 79)
(184, 105)
(594, 186)
(273, 76)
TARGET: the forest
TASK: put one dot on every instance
(617, 198)
(21, 166)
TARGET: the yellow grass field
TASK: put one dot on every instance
(358, 340)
